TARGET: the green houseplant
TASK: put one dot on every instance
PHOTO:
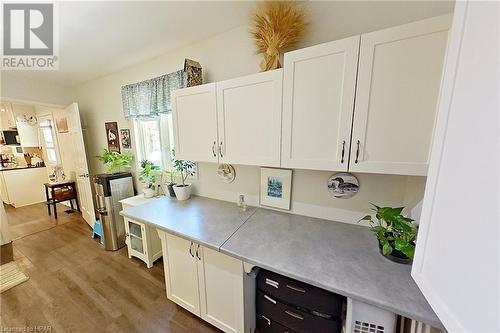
(115, 161)
(171, 173)
(185, 169)
(395, 232)
(148, 175)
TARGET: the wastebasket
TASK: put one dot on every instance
(110, 231)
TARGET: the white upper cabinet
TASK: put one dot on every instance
(7, 119)
(28, 131)
(396, 97)
(318, 97)
(249, 119)
(361, 104)
(194, 113)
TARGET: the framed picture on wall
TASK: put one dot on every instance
(275, 187)
(62, 125)
(125, 138)
(112, 136)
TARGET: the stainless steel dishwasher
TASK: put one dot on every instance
(110, 189)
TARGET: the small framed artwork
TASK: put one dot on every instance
(62, 125)
(112, 136)
(275, 187)
(125, 138)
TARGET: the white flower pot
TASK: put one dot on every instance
(182, 192)
(149, 192)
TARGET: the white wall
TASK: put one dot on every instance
(232, 54)
(21, 88)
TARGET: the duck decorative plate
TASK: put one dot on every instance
(343, 185)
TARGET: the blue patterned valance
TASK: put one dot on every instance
(151, 97)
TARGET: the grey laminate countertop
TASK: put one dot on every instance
(338, 257)
(207, 221)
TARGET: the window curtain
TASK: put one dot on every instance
(151, 97)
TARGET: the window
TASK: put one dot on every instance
(153, 140)
(48, 142)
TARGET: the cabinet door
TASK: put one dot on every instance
(249, 114)
(181, 275)
(459, 277)
(318, 97)
(7, 119)
(398, 86)
(221, 290)
(28, 133)
(195, 123)
(136, 239)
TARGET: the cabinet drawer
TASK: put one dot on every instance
(267, 325)
(300, 294)
(294, 318)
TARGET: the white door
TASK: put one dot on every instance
(318, 97)
(221, 290)
(396, 97)
(83, 181)
(457, 257)
(249, 114)
(181, 275)
(194, 115)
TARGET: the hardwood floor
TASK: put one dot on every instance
(28, 220)
(76, 286)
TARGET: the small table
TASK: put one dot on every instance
(59, 192)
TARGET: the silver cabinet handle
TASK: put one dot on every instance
(191, 249)
(294, 315)
(220, 149)
(213, 149)
(294, 288)
(197, 252)
(357, 152)
(272, 283)
(270, 299)
(343, 152)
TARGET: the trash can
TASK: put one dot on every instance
(110, 231)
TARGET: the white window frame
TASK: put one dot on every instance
(54, 139)
(162, 124)
(166, 141)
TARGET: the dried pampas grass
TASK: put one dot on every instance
(278, 26)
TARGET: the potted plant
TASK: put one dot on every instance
(185, 169)
(395, 232)
(148, 176)
(172, 173)
(115, 161)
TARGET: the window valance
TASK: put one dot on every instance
(151, 97)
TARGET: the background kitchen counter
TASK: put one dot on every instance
(8, 168)
(338, 257)
(23, 186)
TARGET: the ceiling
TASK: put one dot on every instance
(97, 38)
(101, 37)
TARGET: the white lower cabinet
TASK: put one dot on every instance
(204, 282)
(142, 241)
